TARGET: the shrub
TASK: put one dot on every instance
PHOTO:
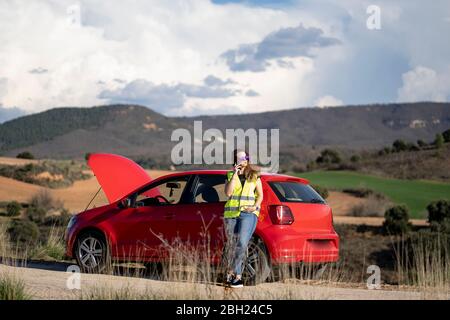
(439, 141)
(370, 207)
(446, 135)
(412, 147)
(396, 220)
(439, 215)
(321, 190)
(43, 199)
(355, 158)
(384, 151)
(13, 209)
(364, 193)
(53, 247)
(23, 231)
(12, 288)
(4, 240)
(25, 155)
(329, 156)
(60, 220)
(36, 214)
(399, 145)
(421, 143)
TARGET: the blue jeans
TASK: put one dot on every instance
(239, 231)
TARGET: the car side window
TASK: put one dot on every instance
(167, 192)
(210, 188)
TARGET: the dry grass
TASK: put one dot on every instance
(5, 247)
(12, 288)
(371, 206)
(53, 248)
(424, 263)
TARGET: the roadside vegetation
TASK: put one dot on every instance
(12, 288)
(47, 173)
(411, 160)
(410, 257)
(34, 229)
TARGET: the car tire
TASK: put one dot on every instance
(92, 253)
(256, 265)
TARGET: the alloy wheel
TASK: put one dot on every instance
(90, 252)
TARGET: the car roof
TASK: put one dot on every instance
(267, 176)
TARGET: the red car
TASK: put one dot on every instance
(146, 217)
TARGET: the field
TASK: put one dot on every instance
(74, 197)
(416, 194)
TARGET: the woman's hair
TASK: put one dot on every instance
(251, 171)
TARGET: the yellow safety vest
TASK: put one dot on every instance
(242, 196)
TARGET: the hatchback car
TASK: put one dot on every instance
(145, 219)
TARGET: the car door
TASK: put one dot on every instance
(149, 229)
(201, 224)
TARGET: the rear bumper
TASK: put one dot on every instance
(288, 246)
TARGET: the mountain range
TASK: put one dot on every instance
(139, 132)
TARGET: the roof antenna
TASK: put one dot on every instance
(92, 199)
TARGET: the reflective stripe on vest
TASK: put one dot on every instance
(242, 196)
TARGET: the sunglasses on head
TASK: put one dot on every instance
(244, 158)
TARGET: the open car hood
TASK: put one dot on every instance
(117, 175)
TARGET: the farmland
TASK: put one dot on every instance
(416, 194)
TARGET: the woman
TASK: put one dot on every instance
(244, 191)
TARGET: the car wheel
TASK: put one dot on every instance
(92, 253)
(256, 265)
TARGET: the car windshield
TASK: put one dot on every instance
(288, 191)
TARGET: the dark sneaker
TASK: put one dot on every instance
(237, 283)
(229, 279)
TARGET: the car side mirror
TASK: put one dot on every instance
(124, 203)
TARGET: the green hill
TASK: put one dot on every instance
(416, 194)
(137, 131)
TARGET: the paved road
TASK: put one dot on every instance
(49, 281)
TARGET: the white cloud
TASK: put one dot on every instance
(424, 84)
(3, 88)
(166, 43)
(328, 101)
(163, 42)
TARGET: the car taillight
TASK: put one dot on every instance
(281, 215)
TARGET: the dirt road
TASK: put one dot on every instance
(48, 281)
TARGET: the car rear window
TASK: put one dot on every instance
(288, 191)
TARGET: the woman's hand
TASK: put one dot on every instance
(250, 208)
(237, 168)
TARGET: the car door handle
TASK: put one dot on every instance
(169, 216)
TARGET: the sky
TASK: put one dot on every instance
(191, 57)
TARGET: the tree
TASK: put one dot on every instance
(399, 145)
(396, 220)
(439, 140)
(446, 135)
(25, 155)
(439, 215)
